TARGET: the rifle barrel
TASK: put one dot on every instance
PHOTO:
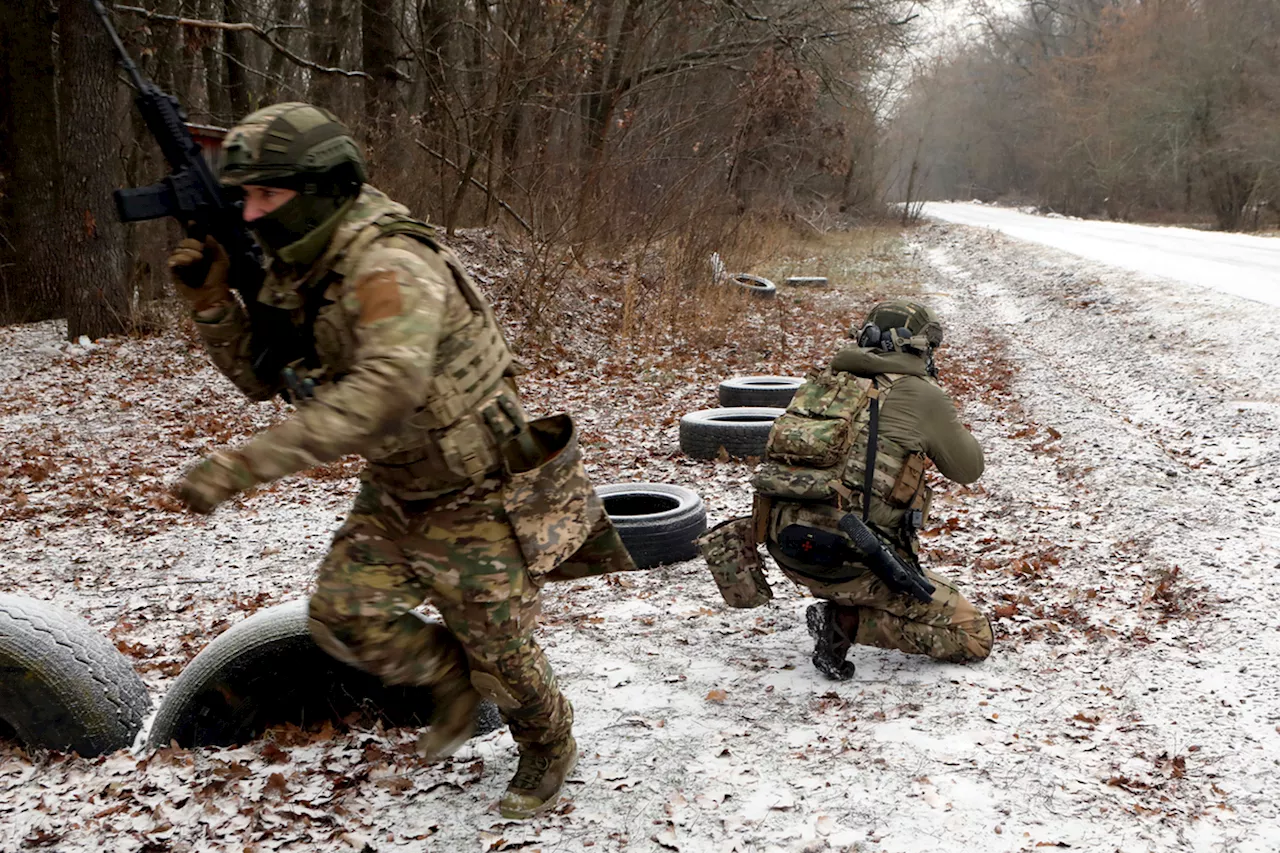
(125, 59)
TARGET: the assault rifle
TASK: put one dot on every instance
(831, 550)
(897, 574)
(191, 194)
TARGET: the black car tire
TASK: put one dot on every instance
(742, 431)
(267, 670)
(770, 391)
(658, 523)
(64, 686)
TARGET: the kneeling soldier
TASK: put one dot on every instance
(840, 498)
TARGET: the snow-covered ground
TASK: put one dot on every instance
(1122, 539)
(1239, 264)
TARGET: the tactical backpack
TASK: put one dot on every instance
(822, 448)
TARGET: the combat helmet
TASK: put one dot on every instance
(900, 324)
(292, 145)
(301, 148)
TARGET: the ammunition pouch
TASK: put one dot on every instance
(794, 482)
(546, 493)
(733, 557)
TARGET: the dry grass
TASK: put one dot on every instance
(679, 305)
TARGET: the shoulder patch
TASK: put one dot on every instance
(379, 295)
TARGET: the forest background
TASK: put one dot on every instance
(650, 131)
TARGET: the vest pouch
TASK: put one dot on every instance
(909, 481)
(734, 560)
(827, 394)
(809, 441)
(467, 448)
(794, 483)
(548, 498)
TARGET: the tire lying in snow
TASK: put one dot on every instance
(757, 285)
(266, 671)
(741, 431)
(658, 523)
(64, 686)
(774, 391)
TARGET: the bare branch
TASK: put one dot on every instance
(476, 182)
(239, 27)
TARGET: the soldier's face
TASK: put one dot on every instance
(259, 200)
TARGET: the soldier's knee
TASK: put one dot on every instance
(341, 633)
(334, 644)
(493, 688)
(512, 680)
(977, 640)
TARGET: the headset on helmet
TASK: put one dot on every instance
(888, 340)
(902, 326)
(898, 324)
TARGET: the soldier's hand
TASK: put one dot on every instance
(211, 481)
(199, 272)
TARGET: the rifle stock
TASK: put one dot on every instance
(896, 574)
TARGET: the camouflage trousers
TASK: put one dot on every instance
(947, 628)
(459, 553)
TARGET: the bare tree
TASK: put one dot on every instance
(30, 250)
(96, 296)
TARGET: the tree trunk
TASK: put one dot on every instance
(96, 296)
(30, 250)
(283, 12)
(237, 62)
(321, 42)
(215, 92)
(378, 41)
(435, 23)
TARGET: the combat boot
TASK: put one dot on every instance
(453, 720)
(830, 642)
(539, 778)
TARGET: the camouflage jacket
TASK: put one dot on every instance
(410, 364)
(916, 418)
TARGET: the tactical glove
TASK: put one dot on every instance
(211, 481)
(199, 273)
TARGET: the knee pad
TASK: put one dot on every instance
(984, 638)
(491, 687)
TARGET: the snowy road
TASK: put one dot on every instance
(1239, 264)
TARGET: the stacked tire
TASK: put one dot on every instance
(739, 431)
(740, 427)
(769, 391)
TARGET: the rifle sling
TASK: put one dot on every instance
(873, 436)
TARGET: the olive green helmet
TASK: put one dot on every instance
(287, 145)
(883, 326)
